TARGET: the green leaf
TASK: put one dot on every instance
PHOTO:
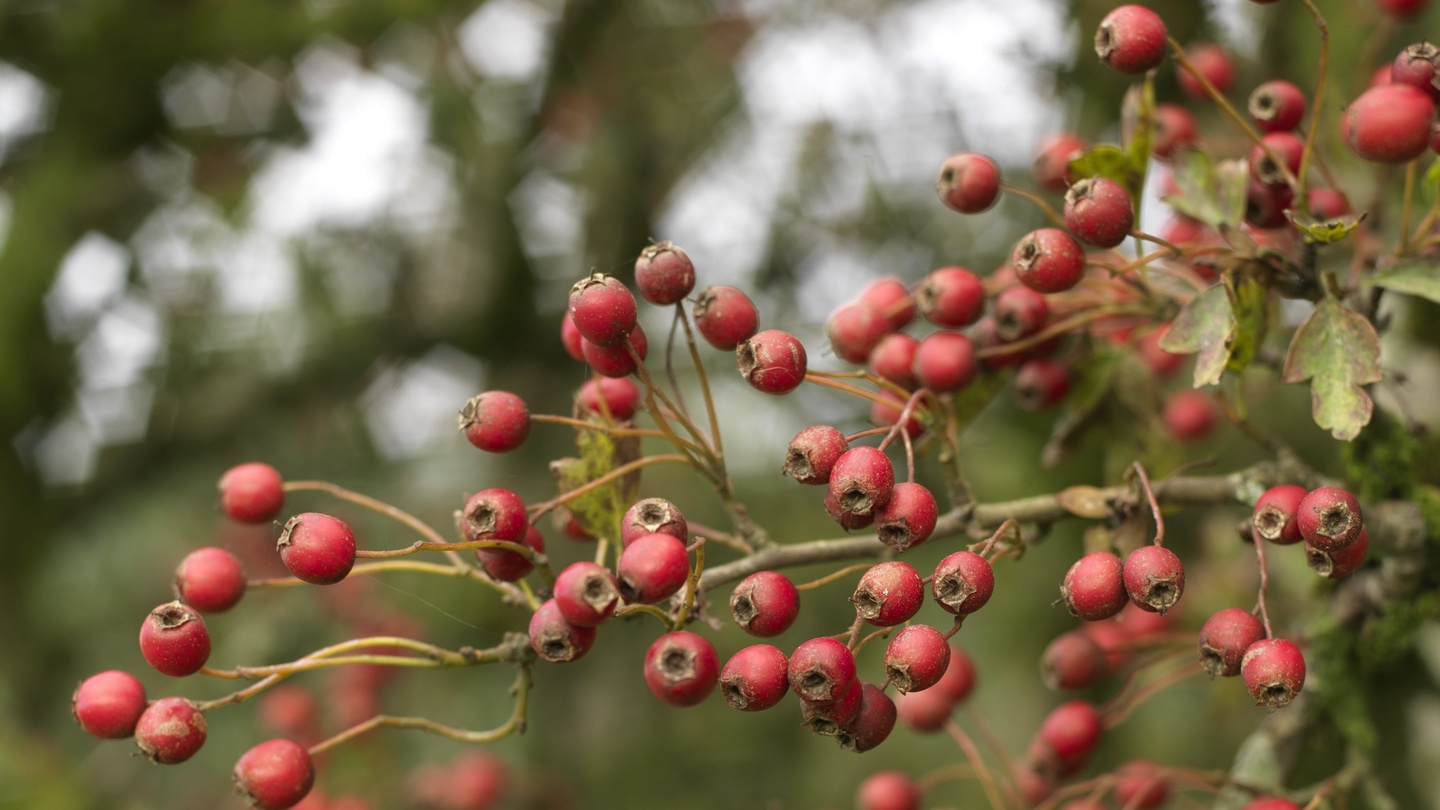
(1338, 351)
(1325, 231)
(1205, 328)
(1250, 304)
(1137, 129)
(1107, 161)
(1211, 193)
(1420, 278)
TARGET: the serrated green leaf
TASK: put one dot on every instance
(1211, 193)
(1206, 329)
(1250, 306)
(1325, 231)
(1338, 351)
(1088, 389)
(1106, 161)
(1420, 278)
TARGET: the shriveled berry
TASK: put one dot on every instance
(653, 516)
(664, 274)
(1099, 212)
(174, 640)
(1154, 578)
(252, 493)
(1048, 260)
(765, 604)
(210, 579)
(1073, 660)
(951, 297)
(1224, 638)
(586, 593)
(1041, 384)
(861, 481)
(1052, 164)
(812, 454)
(888, 790)
(495, 421)
(556, 640)
(916, 658)
(1131, 39)
(829, 718)
(908, 518)
(275, 774)
(724, 316)
(1274, 672)
(821, 669)
(316, 548)
(603, 309)
(1190, 415)
(170, 731)
(893, 359)
(873, 724)
(888, 594)
(1274, 516)
(1329, 517)
(1390, 124)
(618, 397)
(1067, 737)
(1210, 61)
(772, 361)
(1339, 562)
(652, 568)
(892, 299)
(968, 182)
(945, 361)
(1141, 785)
(493, 514)
(1174, 129)
(755, 678)
(1277, 106)
(108, 704)
(619, 360)
(681, 668)
(1094, 587)
(962, 583)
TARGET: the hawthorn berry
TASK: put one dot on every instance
(1287, 149)
(1041, 384)
(968, 182)
(1270, 803)
(773, 361)
(873, 723)
(570, 337)
(1160, 362)
(603, 309)
(765, 604)
(475, 780)
(1131, 39)
(586, 593)
(1212, 62)
(1274, 516)
(506, 565)
(861, 481)
(495, 421)
(1019, 313)
(652, 568)
(1277, 106)
(1224, 638)
(1154, 578)
(1274, 671)
(959, 678)
(1265, 205)
(962, 583)
(892, 299)
(1052, 165)
(888, 408)
(1328, 518)
(829, 718)
(924, 712)
(1141, 785)
(1401, 8)
(849, 521)
(290, 710)
(1094, 587)
(275, 774)
(617, 397)
(812, 454)
(1339, 562)
(945, 361)
(1328, 203)
(681, 668)
(854, 330)
(664, 274)
(908, 518)
(893, 359)
(724, 316)
(1174, 129)
(252, 493)
(1099, 212)
(951, 297)
(1389, 124)
(619, 360)
(653, 516)
(755, 678)
(493, 514)
(1418, 65)
(556, 640)
(889, 593)
(170, 731)
(888, 790)
(821, 670)
(316, 548)
(1067, 737)
(1190, 415)
(1048, 260)
(174, 640)
(210, 579)
(108, 704)
(916, 658)
(1073, 660)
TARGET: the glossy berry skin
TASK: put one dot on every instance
(1287, 149)
(1052, 165)
(888, 790)
(316, 548)
(765, 604)
(968, 183)
(1041, 384)
(1131, 39)
(1389, 124)
(861, 480)
(893, 359)
(1274, 671)
(888, 594)
(1418, 66)
(653, 516)
(1340, 562)
(555, 640)
(772, 361)
(618, 360)
(1154, 578)
(586, 593)
(1141, 785)
(892, 299)
(854, 330)
(603, 309)
(210, 579)
(681, 668)
(618, 397)
(664, 274)
(1329, 517)
(916, 658)
(108, 704)
(821, 670)
(170, 731)
(1174, 129)
(1277, 106)
(495, 421)
(1099, 212)
(908, 518)
(945, 361)
(1073, 660)
(275, 774)
(951, 297)
(174, 640)
(755, 678)
(494, 514)
(724, 316)
(1190, 415)
(252, 493)
(828, 719)
(1019, 313)
(1067, 737)
(1048, 260)
(1274, 516)
(652, 568)
(1213, 63)
(1224, 638)
(812, 454)
(1094, 587)
(962, 583)
(873, 724)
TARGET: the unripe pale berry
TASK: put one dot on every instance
(108, 704)
(755, 678)
(772, 361)
(916, 658)
(1099, 212)
(1212, 62)
(1073, 660)
(1225, 637)
(724, 316)
(888, 790)
(1329, 517)
(812, 454)
(1094, 587)
(1154, 578)
(556, 640)
(1131, 39)
(316, 548)
(968, 182)
(495, 421)
(652, 568)
(1274, 672)
(962, 583)
(1277, 106)
(873, 724)
(1390, 124)
(170, 731)
(1048, 260)
(765, 604)
(1052, 165)
(252, 493)
(908, 518)
(892, 299)
(653, 516)
(1274, 516)
(664, 274)
(618, 397)
(861, 480)
(586, 593)
(174, 640)
(275, 774)
(1174, 129)
(1339, 562)
(681, 668)
(951, 297)
(889, 593)
(210, 579)
(893, 359)
(493, 514)
(821, 669)
(619, 360)
(603, 309)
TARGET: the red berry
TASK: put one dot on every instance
(1224, 638)
(653, 516)
(664, 274)
(1401, 8)
(618, 360)
(210, 579)
(252, 493)
(170, 731)
(916, 658)
(812, 454)
(1052, 165)
(1274, 516)
(861, 481)
(1073, 660)
(1190, 415)
(1277, 106)
(1094, 587)
(571, 339)
(495, 421)
(1274, 672)
(1141, 786)
(1154, 578)
(174, 640)
(652, 568)
(603, 309)
(888, 790)
(886, 411)
(765, 604)
(1113, 639)
(773, 362)
(724, 316)
(1099, 212)
(951, 296)
(275, 774)
(506, 565)
(828, 719)
(108, 704)
(616, 396)
(1160, 362)
(316, 548)
(1288, 150)
(475, 780)
(1041, 384)
(494, 514)
(968, 182)
(1390, 124)
(1131, 39)
(1270, 803)
(1339, 562)
(889, 593)
(821, 670)
(909, 517)
(556, 640)
(959, 678)
(1048, 260)
(893, 359)
(681, 668)
(854, 330)
(1265, 205)
(1174, 128)
(945, 361)
(873, 724)
(1212, 62)
(290, 710)
(586, 593)
(924, 712)
(892, 299)
(1067, 737)
(755, 678)
(1019, 313)
(962, 583)
(1329, 518)
(1327, 203)
(849, 521)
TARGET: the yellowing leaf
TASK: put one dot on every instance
(1415, 278)
(1325, 231)
(1206, 329)
(1338, 351)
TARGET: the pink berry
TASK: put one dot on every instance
(892, 299)
(812, 454)
(773, 362)
(968, 182)
(494, 514)
(1174, 129)
(174, 640)
(888, 594)
(252, 493)
(1274, 516)
(861, 481)
(1339, 562)
(210, 579)
(556, 640)
(275, 774)
(603, 309)
(959, 678)
(1067, 737)
(724, 316)
(1094, 587)
(1329, 518)
(1190, 415)
(854, 330)
(170, 731)
(652, 568)
(962, 583)
(1073, 660)
(1099, 212)
(908, 518)
(1052, 165)
(316, 548)
(755, 678)
(873, 723)
(887, 410)
(888, 790)
(1141, 786)
(924, 712)
(1041, 384)
(1274, 671)
(1048, 260)
(619, 360)
(1224, 638)
(1131, 39)
(916, 658)
(108, 704)
(1327, 203)
(681, 668)
(664, 274)
(653, 516)
(570, 337)
(951, 297)
(765, 604)
(1390, 124)
(1212, 62)
(1418, 65)
(495, 421)
(893, 359)
(1154, 578)
(821, 670)
(1277, 106)
(945, 361)
(617, 397)
(586, 593)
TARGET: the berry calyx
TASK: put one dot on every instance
(1339, 562)
(653, 516)
(493, 514)
(210, 579)
(174, 640)
(968, 183)
(1131, 39)
(773, 362)
(109, 704)
(170, 731)
(1048, 260)
(556, 640)
(821, 670)
(861, 481)
(1277, 106)
(586, 593)
(1154, 578)
(274, 775)
(889, 593)
(812, 454)
(252, 493)
(962, 583)
(664, 274)
(1094, 587)
(908, 518)
(765, 604)
(724, 316)
(495, 421)
(1274, 671)
(316, 548)
(1274, 516)
(1329, 518)
(755, 678)
(652, 568)
(603, 309)
(1224, 638)
(681, 668)
(828, 719)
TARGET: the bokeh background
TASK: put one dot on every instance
(306, 232)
